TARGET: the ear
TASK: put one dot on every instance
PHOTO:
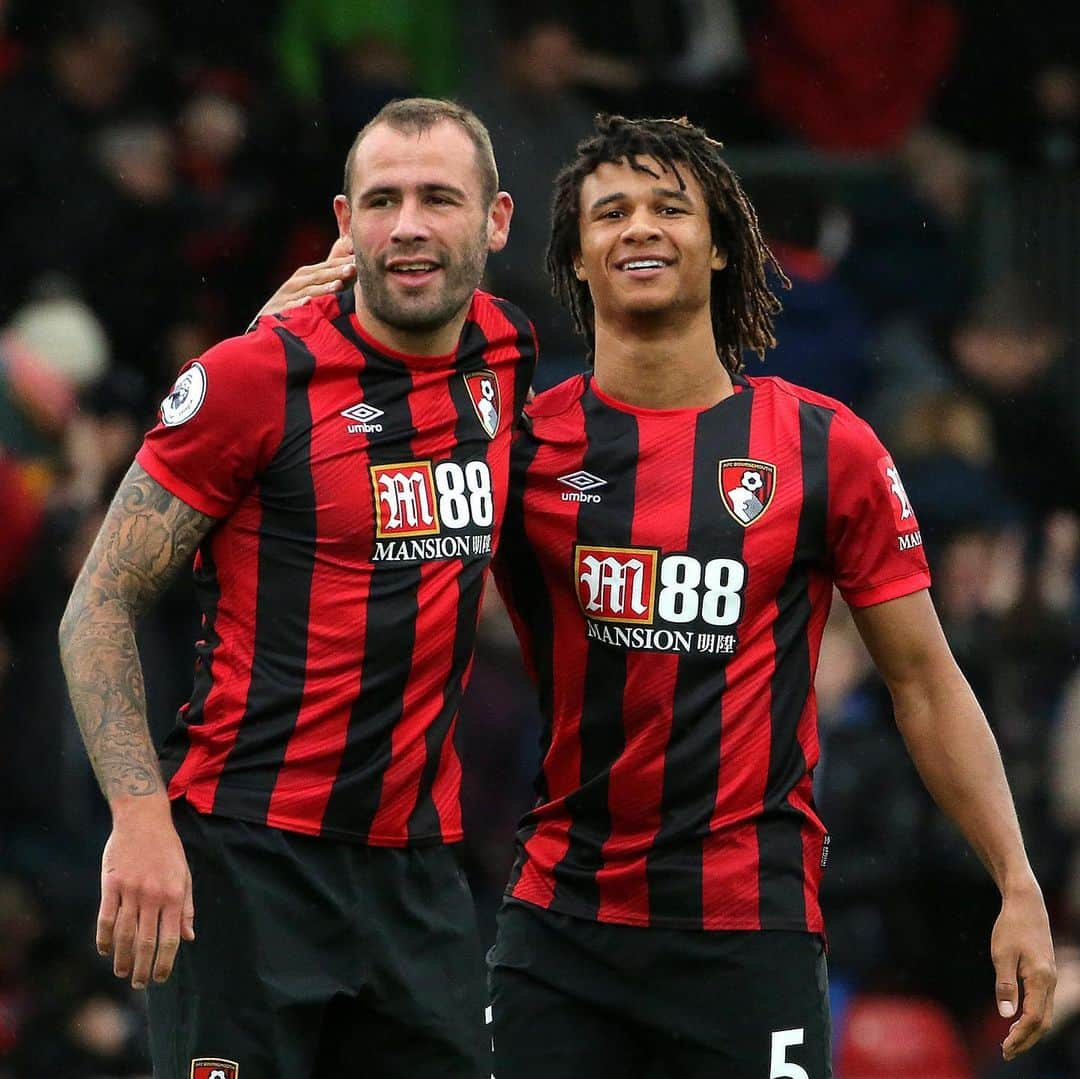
(343, 213)
(719, 259)
(502, 209)
(579, 268)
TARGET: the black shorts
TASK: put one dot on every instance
(316, 958)
(574, 999)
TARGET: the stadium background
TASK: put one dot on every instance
(915, 165)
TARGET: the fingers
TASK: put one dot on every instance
(123, 948)
(106, 920)
(1037, 1017)
(146, 941)
(168, 941)
(342, 246)
(1006, 991)
(187, 914)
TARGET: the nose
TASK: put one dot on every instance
(411, 225)
(641, 226)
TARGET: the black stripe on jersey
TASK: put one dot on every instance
(780, 866)
(208, 595)
(424, 820)
(526, 346)
(394, 586)
(282, 598)
(692, 758)
(529, 597)
(611, 453)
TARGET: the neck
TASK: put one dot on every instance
(440, 341)
(651, 365)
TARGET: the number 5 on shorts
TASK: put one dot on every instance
(779, 1065)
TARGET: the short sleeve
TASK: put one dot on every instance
(220, 423)
(874, 538)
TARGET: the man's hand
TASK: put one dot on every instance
(331, 275)
(1024, 967)
(146, 901)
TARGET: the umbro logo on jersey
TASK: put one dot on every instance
(582, 482)
(362, 416)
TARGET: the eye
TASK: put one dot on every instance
(672, 211)
(611, 215)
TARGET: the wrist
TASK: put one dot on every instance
(1019, 883)
(140, 808)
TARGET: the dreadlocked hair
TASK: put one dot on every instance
(743, 304)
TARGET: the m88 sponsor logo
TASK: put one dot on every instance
(427, 510)
(641, 599)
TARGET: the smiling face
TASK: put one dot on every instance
(646, 244)
(421, 231)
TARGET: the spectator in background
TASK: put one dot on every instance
(352, 56)
(51, 187)
(852, 76)
(1010, 355)
(535, 118)
(1015, 88)
(822, 335)
(225, 193)
(687, 57)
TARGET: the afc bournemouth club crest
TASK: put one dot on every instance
(747, 488)
(213, 1068)
(483, 389)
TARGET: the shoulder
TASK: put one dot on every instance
(557, 400)
(499, 318)
(301, 321)
(845, 424)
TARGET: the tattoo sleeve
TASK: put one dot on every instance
(148, 534)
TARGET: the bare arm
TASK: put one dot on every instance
(956, 755)
(146, 537)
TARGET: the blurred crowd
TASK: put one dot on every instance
(163, 167)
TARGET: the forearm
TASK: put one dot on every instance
(956, 755)
(147, 535)
(105, 682)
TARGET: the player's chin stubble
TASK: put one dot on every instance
(421, 313)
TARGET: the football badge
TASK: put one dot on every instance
(747, 488)
(186, 396)
(214, 1068)
(483, 389)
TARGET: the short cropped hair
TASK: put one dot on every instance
(416, 115)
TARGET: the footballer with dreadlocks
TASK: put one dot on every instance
(674, 531)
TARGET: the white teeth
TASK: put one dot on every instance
(413, 267)
(644, 264)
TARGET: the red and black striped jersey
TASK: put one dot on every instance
(669, 574)
(360, 494)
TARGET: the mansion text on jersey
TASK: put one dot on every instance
(647, 639)
(431, 547)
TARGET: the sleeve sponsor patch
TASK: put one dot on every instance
(186, 396)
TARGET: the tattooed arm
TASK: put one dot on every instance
(147, 536)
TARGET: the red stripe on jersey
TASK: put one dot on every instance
(802, 797)
(636, 782)
(446, 790)
(337, 624)
(747, 702)
(561, 766)
(235, 555)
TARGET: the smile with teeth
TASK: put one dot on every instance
(643, 264)
(414, 267)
